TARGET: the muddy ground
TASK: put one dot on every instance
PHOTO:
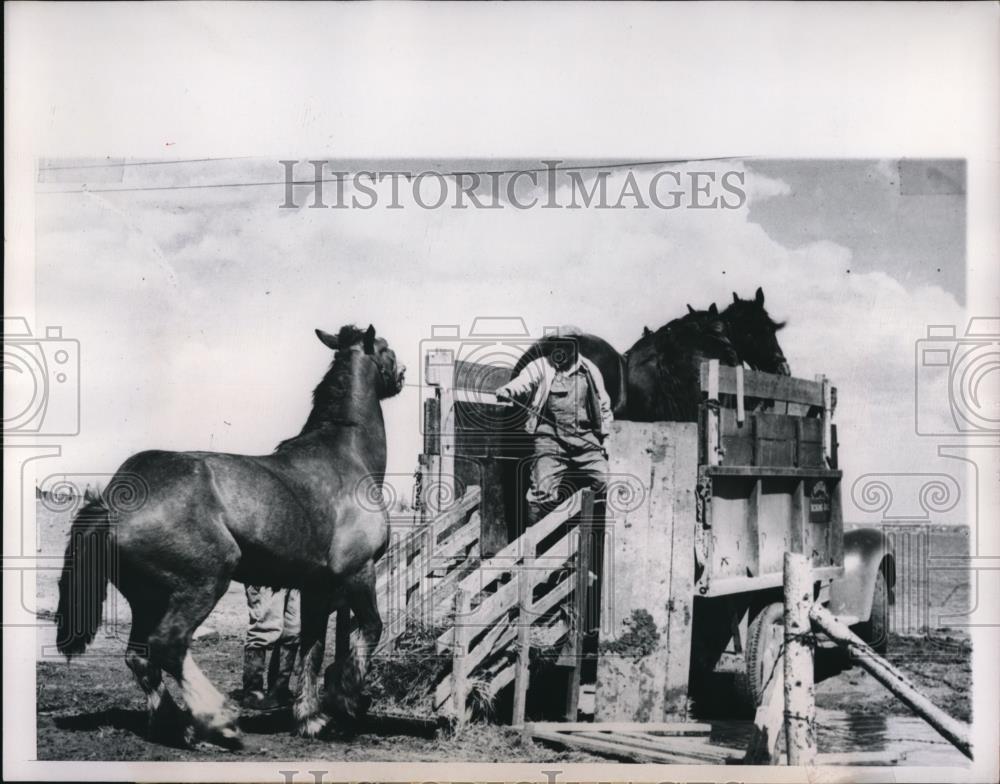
(91, 709)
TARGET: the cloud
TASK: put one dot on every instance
(197, 307)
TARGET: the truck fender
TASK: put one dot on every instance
(866, 551)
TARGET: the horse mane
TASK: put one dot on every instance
(331, 389)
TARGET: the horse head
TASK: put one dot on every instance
(754, 334)
(389, 373)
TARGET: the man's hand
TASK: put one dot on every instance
(503, 396)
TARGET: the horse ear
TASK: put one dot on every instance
(690, 309)
(646, 331)
(714, 311)
(735, 298)
(328, 340)
(370, 340)
(760, 296)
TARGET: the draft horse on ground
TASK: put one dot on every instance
(291, 519)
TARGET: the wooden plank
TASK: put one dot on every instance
(504, 599)
(741, 413)
(698, 750)
(774, 471)
(650, 574)
(697, 746)
(432, 426)
(752, 560)
(652, 727)
(861, 758)
(800, 693)
(526, 544)
(827, 415)
(440, 523)
(724, 586)
(765, 385)
(455, 544)
(492, 514)
(580, 615)
(798, 521)
(459, 674)
(955, 732)
(525, 587)
(712, 420)
(616, 750)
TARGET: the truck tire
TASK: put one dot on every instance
(875, 631)
(765, 636)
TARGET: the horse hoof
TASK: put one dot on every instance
(229, 738)
(312, 726)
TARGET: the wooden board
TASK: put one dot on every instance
(766, 386)
(649, 572)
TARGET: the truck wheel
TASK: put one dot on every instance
(875, 631)
(765, 636)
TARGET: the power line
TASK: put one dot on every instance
(139, 163)
(341, 178)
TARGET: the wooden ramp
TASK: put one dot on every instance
(681, 743)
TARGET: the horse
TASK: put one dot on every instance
(302, 517)
(658, 378)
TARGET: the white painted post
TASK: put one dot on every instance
(800, 694)
(741, 413)
(827, 417)
(712, 424)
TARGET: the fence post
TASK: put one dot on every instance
(582, 611)
(440, 373)
(800, 695)
(525, 589)
(712, 423)
(460, 644)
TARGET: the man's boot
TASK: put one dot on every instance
(279, 675)
(254, 663)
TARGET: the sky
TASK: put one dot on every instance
(195, 306)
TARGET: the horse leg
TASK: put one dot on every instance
(309, 718)
(345, 678)
(163, 711)
(214, 718)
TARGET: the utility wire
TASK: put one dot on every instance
(139, 163)
(341, 178)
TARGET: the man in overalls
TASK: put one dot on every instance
(274, 627)
(570, 415)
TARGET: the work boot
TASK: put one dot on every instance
(279, 675)
(254, 662)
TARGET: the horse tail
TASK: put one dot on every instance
(83, 585)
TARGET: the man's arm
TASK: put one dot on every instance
(522, 384)
(607, 416)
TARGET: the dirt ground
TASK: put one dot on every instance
(91, 708)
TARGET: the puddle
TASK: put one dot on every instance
(840, 731)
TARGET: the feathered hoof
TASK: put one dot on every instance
(312, 726)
